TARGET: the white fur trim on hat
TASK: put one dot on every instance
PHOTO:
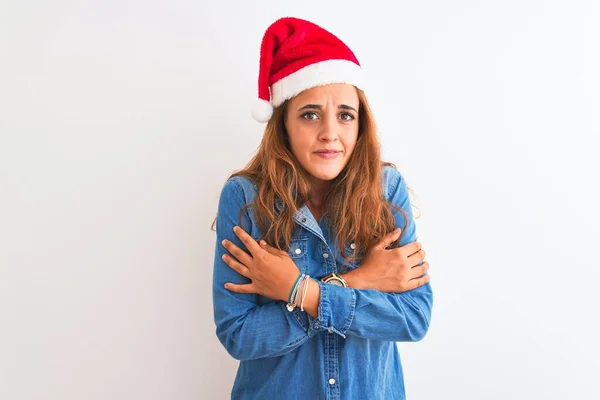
(317, 74)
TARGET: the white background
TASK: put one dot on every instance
(121, 120)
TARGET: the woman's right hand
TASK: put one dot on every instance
(394, 270)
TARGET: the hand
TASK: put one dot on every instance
(395, 270)
(271, 271)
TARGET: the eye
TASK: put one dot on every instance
(311, 115)
(347, 116)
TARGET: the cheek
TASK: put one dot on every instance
(350, 143)
(301, 149)
(300, 143)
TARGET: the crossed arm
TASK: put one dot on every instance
(250, 330)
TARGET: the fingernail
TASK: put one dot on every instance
(235, 228)
(263, 243)
(226, 286)
(224, 242)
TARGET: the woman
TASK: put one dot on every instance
(317, 271)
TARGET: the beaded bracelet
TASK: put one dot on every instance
(298, 293)
(294, 288)
(291, 298)
(306, 282)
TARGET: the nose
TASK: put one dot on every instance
(329, 128)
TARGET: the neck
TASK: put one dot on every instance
(316, 199)
(315, 204)
(319, 189)
(315, 207)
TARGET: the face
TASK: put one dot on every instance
(322, 125)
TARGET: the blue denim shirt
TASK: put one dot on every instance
(349, 351)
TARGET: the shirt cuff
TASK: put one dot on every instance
(336, 309)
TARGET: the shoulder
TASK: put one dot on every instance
(238, 189)
(393, 180)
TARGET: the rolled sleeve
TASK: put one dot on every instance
(336, 309)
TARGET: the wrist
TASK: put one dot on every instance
(308, 294)
(353, 279)
(311, 305)
(292, 282)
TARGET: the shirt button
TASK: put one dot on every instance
(325, 255)
(332, 381)
(297, 251)
(329, 331)
(352, 246)
(303, 219)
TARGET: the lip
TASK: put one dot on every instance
(327, 153)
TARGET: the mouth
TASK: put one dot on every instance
(328, 153)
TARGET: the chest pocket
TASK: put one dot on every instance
(298, 251)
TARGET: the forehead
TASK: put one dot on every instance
(339, 93)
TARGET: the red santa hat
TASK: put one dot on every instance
(296, 55)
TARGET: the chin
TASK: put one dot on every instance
(326, 175)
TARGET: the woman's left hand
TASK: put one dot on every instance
(271, 271)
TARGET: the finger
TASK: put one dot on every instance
(417, 258)
(407, 250)
(415, 283)
(238, 253)
(389, 239)
(248, 241)
(236, 265)
(411, 248)
(417, 272)
(272, 250)
(237, 288)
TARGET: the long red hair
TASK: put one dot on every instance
(354, 202)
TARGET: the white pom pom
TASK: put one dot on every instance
(262, 110)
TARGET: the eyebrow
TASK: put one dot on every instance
(318, 106)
